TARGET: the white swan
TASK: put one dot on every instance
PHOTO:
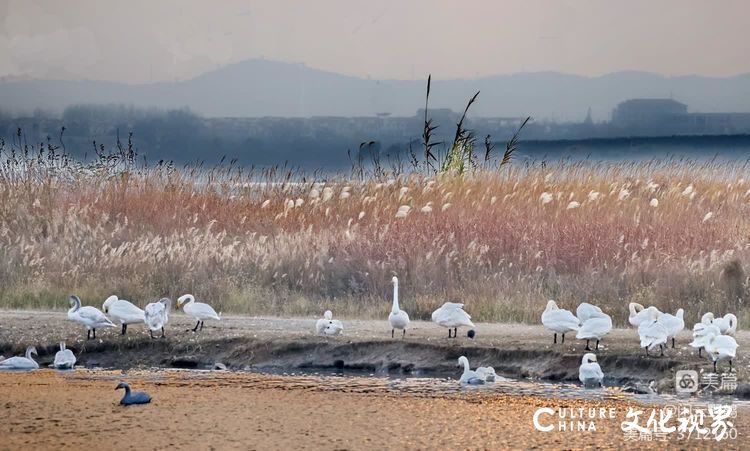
(720, 347)
(558, 320)
(398, 318)
(328, 326)
(702, 333)
(21, 363)
(64, 358)
(673, 323)
(156, 315)
(334, 327)
(123, 312)
(590, 373)
(652, 332)
(198, 310)
(320, 325)
(487, 373)
(468, 376)
(638, 314)
(91, 317)
(595, 327)
(727, 324)
(452, 315)
(585, 311)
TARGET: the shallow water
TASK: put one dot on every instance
(416, 386)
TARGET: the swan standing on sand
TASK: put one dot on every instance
(130, 398)
(652, 332)
(673, 323)
(558, 320)
(702, 333)
(720, 347)
(586, 311)
(156, 315)
(468, 376)
(91, 317)
(64, 358)
(123, 311)
(198, 310)
(452, 315)
(590, 373)
(21, 363)
(726, 324)
(595, 327)
(398, 318)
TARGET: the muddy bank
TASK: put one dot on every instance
(273, 344)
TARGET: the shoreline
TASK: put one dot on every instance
(288, 344)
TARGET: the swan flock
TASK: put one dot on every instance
(714, 334)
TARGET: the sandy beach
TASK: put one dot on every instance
(50, 410)
(198, 409)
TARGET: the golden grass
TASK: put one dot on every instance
(502, 242)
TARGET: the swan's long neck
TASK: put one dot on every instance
(28, 354)
(466, 366)
(395, 308)
(127, 390)
(76, 306)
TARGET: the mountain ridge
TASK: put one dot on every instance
(259, 87)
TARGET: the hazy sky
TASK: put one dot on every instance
(141, 41)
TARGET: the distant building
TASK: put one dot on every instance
(637, 112)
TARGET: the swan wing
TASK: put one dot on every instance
(126, 312)
(94, 316)
(155, 315)
(595, 327)
(202, 311)
(586, 310)
(652, 334)
(560, 320)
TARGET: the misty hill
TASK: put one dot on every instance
(256, 88)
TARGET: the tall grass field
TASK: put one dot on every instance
(501, 240)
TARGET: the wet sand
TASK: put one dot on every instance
(224, 410)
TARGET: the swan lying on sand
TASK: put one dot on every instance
(123, 312)
(487, 373)
(329, 326)
(452, 315)
(21, 363)
(469, 377)
(198, 310)
(590, 373)
(398, 319)
(156, 315)
(130, 398)
(652, 332)
(64, 358)
(673, 323)
(91, 317)
(595, 327)
(558, 320)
